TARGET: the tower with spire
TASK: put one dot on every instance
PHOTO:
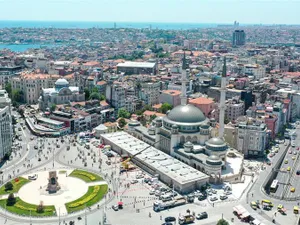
(222, 100)
(185, 73)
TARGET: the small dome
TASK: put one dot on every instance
(188, 144)
(152, 128)
(214, 160)
(61, 82)
(216, 141)
(216, 144)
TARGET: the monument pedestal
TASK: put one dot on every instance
(53, 185)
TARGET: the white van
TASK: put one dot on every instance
(166, 197)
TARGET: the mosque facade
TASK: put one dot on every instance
(187, 135)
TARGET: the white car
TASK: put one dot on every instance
(214, 191)
(214, 198)
(134, 181)
(227, 192)
(152, 192)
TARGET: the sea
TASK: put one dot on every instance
(89, 24)
(86, 25)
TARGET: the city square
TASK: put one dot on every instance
(125, 113)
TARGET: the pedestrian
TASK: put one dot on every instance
(252, 194)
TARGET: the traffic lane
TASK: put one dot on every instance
(294, 182)
(282, 176)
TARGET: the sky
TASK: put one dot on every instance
(177, 11)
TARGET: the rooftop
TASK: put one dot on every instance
(137, 64)
(155, 158)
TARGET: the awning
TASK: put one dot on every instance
(120, 203)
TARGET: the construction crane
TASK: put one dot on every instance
(126, 165)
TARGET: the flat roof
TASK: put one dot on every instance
(137, 64)
(46, 120)
(155, 159)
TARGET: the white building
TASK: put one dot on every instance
(149, 93)
(6, 130)
(169, 170)
(252, 138)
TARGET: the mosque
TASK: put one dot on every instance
(62, 93)
(187, 135)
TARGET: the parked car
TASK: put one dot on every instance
(134, 181)
(33, 177)
(170, 219)
(115, 207)
(298, 172)
(214, 191)
(227, 192)
(139, 176)
(152, 192)
(223, 197)
(201, 216)
(201, 197)
(214, 198)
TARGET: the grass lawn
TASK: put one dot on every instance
(81, 201)
(86, 176)
(62, 171)
(23, 208)
(17, 186)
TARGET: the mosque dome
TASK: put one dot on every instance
(62, 82)
(216, 144)
(213, 160)
(186, 114)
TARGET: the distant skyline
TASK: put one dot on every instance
(172, 11)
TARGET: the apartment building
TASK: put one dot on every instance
(252, 138)
(6, 130)
(234, 109)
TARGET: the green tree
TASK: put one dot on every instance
(16, 96)
(87, 93)
(8, 89)
(122, 122)
(123, 113)
(52, 107)
(96, 90)
(222, 222)
(8, 186)
(165, 107)
(95, 95)
(153, 117)
(11, 200)
(102, 97)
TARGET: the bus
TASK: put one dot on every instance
(274, 186)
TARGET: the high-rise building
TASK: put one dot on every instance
(6, 131)
(238, 38)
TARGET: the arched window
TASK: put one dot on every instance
(195, 139)
(182, 140)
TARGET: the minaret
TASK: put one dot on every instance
(184, 74)
(222, 100)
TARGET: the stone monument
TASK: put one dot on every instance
(53, 185)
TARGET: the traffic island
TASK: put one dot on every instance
(93, 195)
(86, 176)
(25, 209)
(13, 186)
